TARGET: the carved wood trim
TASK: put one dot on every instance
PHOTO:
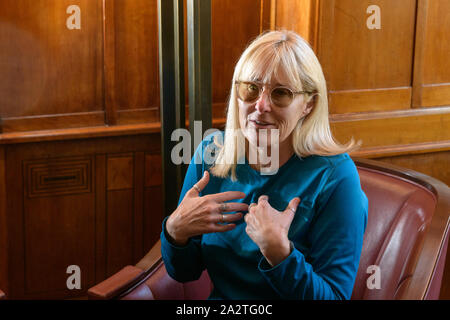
(49, 177)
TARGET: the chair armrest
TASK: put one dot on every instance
(114, 285)
(127, 278)
(152, 258)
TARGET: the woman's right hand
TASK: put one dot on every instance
(198, 215)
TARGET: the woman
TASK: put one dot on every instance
(293, 230)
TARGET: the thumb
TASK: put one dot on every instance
(292, 206)
(201, 184)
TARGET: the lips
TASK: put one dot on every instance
(261, 123)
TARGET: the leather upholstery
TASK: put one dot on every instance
(400, 212)
(394, 229)
(164, 287)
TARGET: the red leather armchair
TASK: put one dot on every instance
(406, 237)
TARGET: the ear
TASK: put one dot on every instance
(311, 102)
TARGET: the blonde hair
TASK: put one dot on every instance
(267, 56)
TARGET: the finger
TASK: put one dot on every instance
(225, 218)
(223, 227)
(227, 196)
(249, 218)
(251, 206)
(200, 185)
(263, 198)
(292, 206)
(232, 206)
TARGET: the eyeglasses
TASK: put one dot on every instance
(249, 91)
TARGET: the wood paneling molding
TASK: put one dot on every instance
(435, 95)
(389, 114)
(50, 177)
(54, 121)
(401, 130)
(402, 150)
(136, 116)
(78, 133)
(369, 100)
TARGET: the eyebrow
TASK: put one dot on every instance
(275, 85)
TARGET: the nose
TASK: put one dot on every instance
(263, 103)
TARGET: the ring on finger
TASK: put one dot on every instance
(197, 188)
(223, 207)
(251, 205)
(223, 218)
(292, 209)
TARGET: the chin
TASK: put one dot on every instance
(252, 135)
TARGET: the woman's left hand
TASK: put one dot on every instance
(269, 228)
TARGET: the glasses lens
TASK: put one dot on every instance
(248, 91)
(281, 97)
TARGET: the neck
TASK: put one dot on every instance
(285, 152)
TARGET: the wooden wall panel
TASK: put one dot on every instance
(138, 207)
(434, 164)
(100, 217)
(153, 216)
(437, 44)
(432, 63)
(388, 129)
(58, 232)
(59, 210)
(131, 54)
(100, 228)
(153, 171)
(119, 230)
(120, 172)
(15, 222)
(233, 26)
(106, 72)
(297, 15)
(153, 206)
(46, 68)
(359, 61)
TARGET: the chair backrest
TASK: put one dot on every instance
(399, 213)
(160, 286)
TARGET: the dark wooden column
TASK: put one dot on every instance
(172, 110)
(199, 56)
